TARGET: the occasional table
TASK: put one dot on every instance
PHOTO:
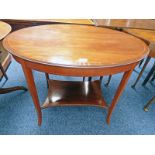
(5, 30)
(75, 50)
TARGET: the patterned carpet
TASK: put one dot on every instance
(18, 116)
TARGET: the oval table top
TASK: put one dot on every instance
(4, 29)
(75, 46)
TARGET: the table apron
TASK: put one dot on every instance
(70, 71)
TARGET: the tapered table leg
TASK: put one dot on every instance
(118, 93)
(149, 75)
(148, 104)
(140, 74)
(32, 88)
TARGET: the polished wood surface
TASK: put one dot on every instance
(4, 29)
(5, 61)
(17, 24)
(152, 50)
(72, 50)
(148, 35)
(118, 93)
(74, 93)
(69, 21)
(126, 23)
(75, 46)
(5, 58)
(31, 85)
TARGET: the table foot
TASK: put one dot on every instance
(146, 107)
(119, 91)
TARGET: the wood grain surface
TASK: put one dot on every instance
(4, 29)
(75, 46)
(146, 35)
(126, 23)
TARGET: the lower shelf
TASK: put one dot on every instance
(66, 93)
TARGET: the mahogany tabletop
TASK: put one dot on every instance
(75, 46)
(126, 23)
(148, 35)
(4, 29)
